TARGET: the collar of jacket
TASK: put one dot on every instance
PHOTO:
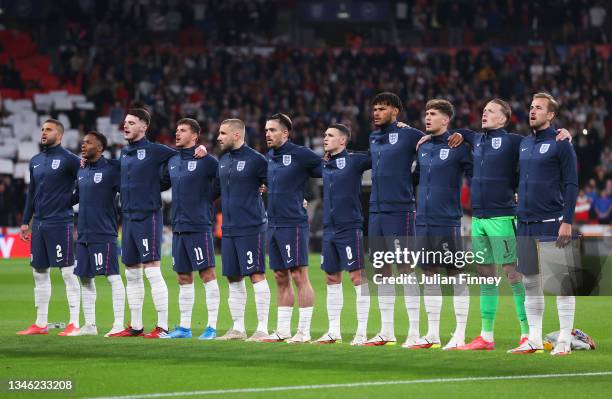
(187, 153)
(495, 132)
(138, 144)
(98, 164)
(332, 160)
(53, 150)
(545, 134)
(283, 149)
(441, 138)
(238, 150)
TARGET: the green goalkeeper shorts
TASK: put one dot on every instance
(495, 238)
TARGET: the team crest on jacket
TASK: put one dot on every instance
(496, 142)
(544, 148)
(341, 163)
(240, 166)
(97, 177)
(55, 164)
(393, 138)
(287, 160)
(444, 153)
(191, 165)
(141, 154)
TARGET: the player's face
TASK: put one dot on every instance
(226, 138)
(276, 134)
(133, 128)
(333, 141)
(185, 137)
(435, 121)
(50, 134)
(493, 117)
(90, 146)
(383, 114)
(539, 117)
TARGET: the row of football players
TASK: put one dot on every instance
(249, 231)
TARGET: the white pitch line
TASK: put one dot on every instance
(355, 385)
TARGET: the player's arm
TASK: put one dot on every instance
(212, 167)
(75, 195)
(467, 163)
(165, 152)
(569, 182)
(312, 162)
(416, 174)
(28, 210)
(366, 162)
(165, 183)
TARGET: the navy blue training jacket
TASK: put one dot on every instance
(52, 179)
(440, 170)
(548, 184)
(342, 175)
(289, 168)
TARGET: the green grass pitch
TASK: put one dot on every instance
(114, 367)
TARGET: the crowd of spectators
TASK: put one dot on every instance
(129, 59)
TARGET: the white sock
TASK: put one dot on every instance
(432, 297)
(534, 307)
(237, 303)
(159, 292)
(304, 320)
(363, 308)
(335, 301)
(213, 298)
(89, 301)
(135, 295)
(118, 294)
(262, 304)
(386, 304)
(42, 294)
(412, 299)
(73, 292)
(186, 300)
(283, 324)
(566, 307)
(487, 336)
(461, 303)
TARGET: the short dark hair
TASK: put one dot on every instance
(553, 105)
(388, 98)
(141, 114)
(343, 129)
(505, 107)
(282, 119)
(58, 124)
(441, 105)
(100, 137)
(192, 123)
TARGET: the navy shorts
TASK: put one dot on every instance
(52, 246)
(342, 251)
(388, 228)
(141, 240)
(438, 240)
(243, 255)
(288, 247)
(96, 259)
(526, 236)
(192, 251)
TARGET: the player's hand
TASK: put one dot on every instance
(423, 140)
(402, 124)
(305, 204)
(24, 232)
(263, 189)
(563, 134)
(83, 162)
(455, 140)
(200, 152)
(565, 235)
(326, 156)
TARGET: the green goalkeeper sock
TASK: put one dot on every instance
(518, 290)
(489, 299)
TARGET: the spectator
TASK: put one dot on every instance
(603, 207)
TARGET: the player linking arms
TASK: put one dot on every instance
(343, 231)
(192, 182)
(52, 178)
(98, 186)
